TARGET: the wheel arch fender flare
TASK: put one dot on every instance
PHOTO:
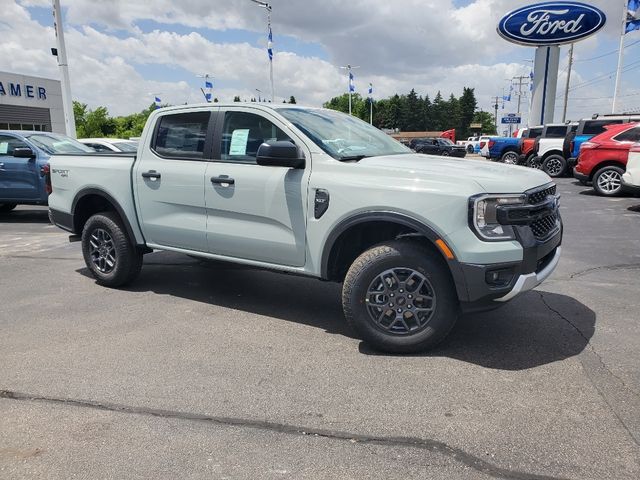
(85, 192)
(400, 219)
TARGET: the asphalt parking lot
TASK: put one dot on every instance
(203, 370)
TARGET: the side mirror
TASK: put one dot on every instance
(23, 152)
(282, 153)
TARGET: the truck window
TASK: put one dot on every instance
(556, 132)
(596, 127)
(182, 135)
(9, 144)
(243, 133)
(631, 135)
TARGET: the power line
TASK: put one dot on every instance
(606, 54)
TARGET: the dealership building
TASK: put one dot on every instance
(30, 103)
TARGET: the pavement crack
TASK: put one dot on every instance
(587, 271)
(456, 454)
(601, 363)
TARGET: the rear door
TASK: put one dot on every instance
(19, 177)
(255, 212)
(169, 179)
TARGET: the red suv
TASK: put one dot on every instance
(603, 159)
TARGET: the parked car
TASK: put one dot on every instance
(527, 141)
(285, 188)
(472, 144)
(548, 149)
(603, 159)
(24, 165)
(631, 178)
(589, 128)
(504, 149)
(110, 144)
(438, 146)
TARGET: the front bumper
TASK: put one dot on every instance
(540, 258)
(629, 188)
(572, 162)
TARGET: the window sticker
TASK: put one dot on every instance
(4, 148)
(239, 139)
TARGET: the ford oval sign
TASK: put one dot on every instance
(551, 23)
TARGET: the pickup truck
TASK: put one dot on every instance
(24, 165)
(472, 144)
(504, 149)
(548, 149)
(317, 193)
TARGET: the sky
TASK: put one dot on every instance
(122, 53)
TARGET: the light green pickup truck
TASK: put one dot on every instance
(414, 239)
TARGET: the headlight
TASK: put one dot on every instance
(483, 217)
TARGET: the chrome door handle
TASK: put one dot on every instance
(2, 167)
(223, 180)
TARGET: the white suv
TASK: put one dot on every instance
(631, 178)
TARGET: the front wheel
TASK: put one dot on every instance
(608, 181)
(470, 149)
(399, 297)
(7, 207)
(534, 162)
(444, 153)
(554, 166)
(510, 158)
(112, 259)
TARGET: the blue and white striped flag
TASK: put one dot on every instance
(208, 84)
(158, 102)
(207, 97)
(531, 82)
(633, 16)
(371, 90)
(270, 44)
(352, 85)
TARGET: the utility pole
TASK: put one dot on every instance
(495, 107)
(521, 81)
(67, 101)
(566, 90)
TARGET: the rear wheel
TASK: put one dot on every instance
(399, 297)
(112, 259)
(510, 158)
(470, 149)
(534, 162)
(7, 207)
(444, 153)
(554, 165)
(608, 181)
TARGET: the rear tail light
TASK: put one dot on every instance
(45, 171)
(491, 143)
(589, 146)
(482, 144)
(635, 148)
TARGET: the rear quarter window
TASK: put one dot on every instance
(555, 132)
(596, 127)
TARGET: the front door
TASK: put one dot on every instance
(258, 213)
(169, 180)
(19, 177)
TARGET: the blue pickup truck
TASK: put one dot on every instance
(24, 165)
(504, 149)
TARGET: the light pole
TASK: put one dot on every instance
(351, 87)
(267, 7)
(67, 101)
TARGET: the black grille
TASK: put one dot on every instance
(544, 226)
(541, 195)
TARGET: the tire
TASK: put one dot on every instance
(608, 181)
(444, 153)
(418, 330)
(534, 162)
(470, 149)
(509, 157)
(104, 238)
(7, 207)
(554, 166)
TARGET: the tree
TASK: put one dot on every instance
(453, 116)
(236, 98)
(412, 118)
(468, 105)
(292, 99)
(487, 120)
(438, 112)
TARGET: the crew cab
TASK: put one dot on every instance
(504, 149)
(24, 165)
(438, 146)
(548, 149)
(603, 159)
(589, 128)
(322, 194)
(631, 178)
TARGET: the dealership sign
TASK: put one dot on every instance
(551, 23)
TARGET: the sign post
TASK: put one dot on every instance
(546, 26)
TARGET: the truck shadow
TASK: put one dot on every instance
(36, 215)
(523, 334)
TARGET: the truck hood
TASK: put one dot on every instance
(489, 176)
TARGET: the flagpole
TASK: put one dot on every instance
(268, 8)
(620, 57)
(67, 100)
(349, 86)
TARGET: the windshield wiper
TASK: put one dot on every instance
(353, 157)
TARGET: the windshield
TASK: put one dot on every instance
(445, 141)
(126, 146)
(58, 144)
(342, 136)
